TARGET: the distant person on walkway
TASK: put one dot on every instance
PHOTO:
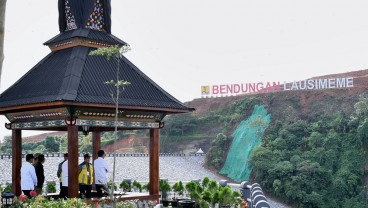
(28, 178)
(35, 159)
(40, 174)
(64, 180)
(85, 177)
(101, 171)
(59, 171)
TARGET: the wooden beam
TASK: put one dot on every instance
(16, 161)
(58, 104)
(91, 129)
(79, 42)
(154, 151)
(73, 161)
(38, 106)
(96, 143)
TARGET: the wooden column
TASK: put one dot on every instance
(96, 146)
(96, 143)
(16, 160)
(154, 151)
(73, 162)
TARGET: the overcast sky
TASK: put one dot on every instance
(182, 45)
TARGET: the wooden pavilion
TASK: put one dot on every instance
(66, 91)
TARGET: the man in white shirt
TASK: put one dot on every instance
(28, 178)
(59, 171)
(101, 171)
(64, 180)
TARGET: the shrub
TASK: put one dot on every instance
(164, 188)
(137, 185)
(7, 188)
(178, 188)
(51, 188)
(126, 204)
(205, 182)
(146, 186)
(125, 186)
(41, 202)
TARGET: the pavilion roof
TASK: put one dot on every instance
(72, 75)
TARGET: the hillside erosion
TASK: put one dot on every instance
(307, 102)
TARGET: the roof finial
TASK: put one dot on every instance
(91, 14)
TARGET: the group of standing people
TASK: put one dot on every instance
(87, 174)
(32, 175)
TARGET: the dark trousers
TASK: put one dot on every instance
(99, 188)
(27, 193)
(63, 192)
(85, 191)
(38, 190)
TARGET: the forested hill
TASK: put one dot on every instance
(307, 147)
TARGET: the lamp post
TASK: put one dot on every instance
(85, 130)
(7, 199)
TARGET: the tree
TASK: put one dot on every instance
(2, 32)
(115, 53)
(86, 145)
(6, 146)
(316, 163)
(361, 107)
(39, 149)
(216, 154)
(52, 144)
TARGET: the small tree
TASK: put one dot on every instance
(146, 186)
(226, 196)
(212, 186)
(194, 190)
(178, 188)
(205, 182)
(164, 188)
(137, 185)
(215, 198)
(207, 196)
(115, 53)
(125, 186)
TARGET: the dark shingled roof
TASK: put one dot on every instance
(70, 74)
(86, 33)
(73, 75)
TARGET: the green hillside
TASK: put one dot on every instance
(306, 147)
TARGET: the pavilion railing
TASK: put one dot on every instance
(8, 156)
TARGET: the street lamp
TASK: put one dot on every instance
(7, 199)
